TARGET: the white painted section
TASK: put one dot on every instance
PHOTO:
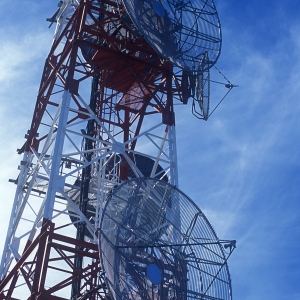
(55, 180)
(14, 219)
(173, 156)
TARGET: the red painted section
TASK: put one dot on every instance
(48, 249)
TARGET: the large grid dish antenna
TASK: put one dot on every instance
(155, 243)
(184, 32)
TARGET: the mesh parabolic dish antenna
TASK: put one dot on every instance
(155, 243)
(182, 31)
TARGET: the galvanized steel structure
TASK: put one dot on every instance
(103, 115)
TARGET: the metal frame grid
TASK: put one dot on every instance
(150, 222)
(105, 101)
(133, 118)
(186, 32)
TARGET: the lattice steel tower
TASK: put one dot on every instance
(103, 123)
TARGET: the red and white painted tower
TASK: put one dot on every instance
(103, 115)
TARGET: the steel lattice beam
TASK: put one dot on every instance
(51, 251)
(132, 118)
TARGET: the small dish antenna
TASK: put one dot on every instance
(185, 32)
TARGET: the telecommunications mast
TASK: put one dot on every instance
(98, 213)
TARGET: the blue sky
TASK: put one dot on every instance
(241, 167)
